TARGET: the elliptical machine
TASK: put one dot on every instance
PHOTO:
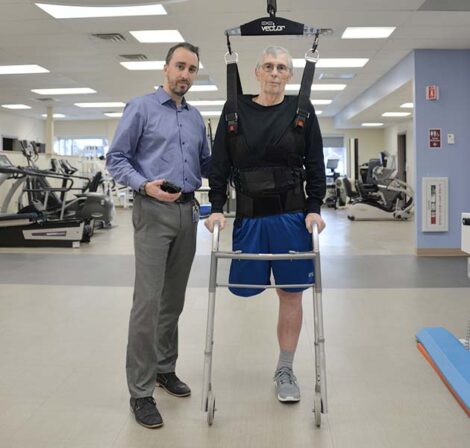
(383, 197)
(335, 196)
(91, 207)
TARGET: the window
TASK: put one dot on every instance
(81, 146)
(333, 148)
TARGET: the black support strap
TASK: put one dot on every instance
(234, 89)
(304, 95)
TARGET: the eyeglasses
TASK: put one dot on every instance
(269, 68)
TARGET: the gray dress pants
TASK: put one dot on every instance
(164, 244)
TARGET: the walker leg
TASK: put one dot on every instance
(320, 398)
(208, 397)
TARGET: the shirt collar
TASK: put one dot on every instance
(163, 97)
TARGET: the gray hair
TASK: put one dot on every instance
(275, 51)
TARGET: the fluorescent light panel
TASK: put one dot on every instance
(318, 112)
(396, 114)
(97, 105)
(321, 102)
(54, 115)
(66, 91)
(334, 63)
(368, 32)
(407, 105)
(16, 106)
(113, 114)
(143, 65)
(21, 69)
(211, 113)
(319, 87)
(146, 65)
(372, 125)
(203, 88)
(78, 12)
(156, 36)
(207, 103)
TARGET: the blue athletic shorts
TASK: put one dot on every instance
(271, 234)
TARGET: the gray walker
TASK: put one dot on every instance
(320, 400)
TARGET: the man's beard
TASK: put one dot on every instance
(177, 91)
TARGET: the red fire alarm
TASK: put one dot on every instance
(432, 93)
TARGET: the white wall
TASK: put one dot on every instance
(86, 128)
(12, 125)
(371, 141)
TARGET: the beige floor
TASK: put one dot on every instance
(62, 381)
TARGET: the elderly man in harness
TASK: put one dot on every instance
(270, 147)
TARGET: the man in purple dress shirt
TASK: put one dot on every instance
(160, 138)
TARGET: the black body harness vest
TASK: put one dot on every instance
(271, 183)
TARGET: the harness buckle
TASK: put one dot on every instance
(232, 122)
(301, 118)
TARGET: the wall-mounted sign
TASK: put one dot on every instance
(434, 138)
(435, 204)
(432, 93)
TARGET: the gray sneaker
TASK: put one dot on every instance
(286, 385)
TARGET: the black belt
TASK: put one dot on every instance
(185, 197)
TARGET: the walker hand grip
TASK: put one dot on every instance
(215, 236)
(315, 238)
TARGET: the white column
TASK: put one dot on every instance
(50, 130)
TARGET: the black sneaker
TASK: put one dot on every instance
(146, 412)
(173, 385)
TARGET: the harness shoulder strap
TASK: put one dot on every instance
(304, 95)
(234, 88)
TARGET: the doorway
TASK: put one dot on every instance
(401, 157)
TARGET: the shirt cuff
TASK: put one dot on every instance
(313, 206)
(136, 182)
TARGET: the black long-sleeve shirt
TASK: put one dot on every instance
(261, 126)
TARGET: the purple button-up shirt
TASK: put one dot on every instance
(156, 139)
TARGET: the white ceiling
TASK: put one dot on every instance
(30, 36)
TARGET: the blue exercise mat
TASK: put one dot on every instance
(449, 356)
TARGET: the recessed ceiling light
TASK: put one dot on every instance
(143, 65)
(203, 88)
(77, 12)
(207, 103)
(396, 114)
(146, 65)
(113, 114)
(321, 102)
(407, 105)
(16, 106)
(368, 32)
(104, 104)
(155, 36)
(54, 115)
(331, 76)
(21, 69)
(372, 125)
(318, 112)
(211, 113)
(328, 87)
(67, 91)
(318, 87)
(334, 63)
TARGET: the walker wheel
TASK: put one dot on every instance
(210, 408)
(317, 407)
